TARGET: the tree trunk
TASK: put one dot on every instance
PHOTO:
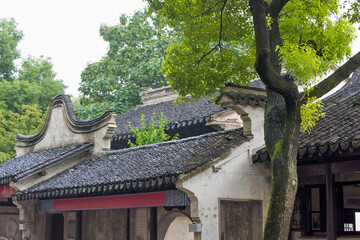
(282, 120)
(281, 137)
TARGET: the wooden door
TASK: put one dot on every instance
(57, 227)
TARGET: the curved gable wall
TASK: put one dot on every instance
(62, 128)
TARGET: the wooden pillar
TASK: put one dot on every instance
(330, 203)
(128, 224)
(153, 223)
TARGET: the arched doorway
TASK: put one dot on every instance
(175, 226)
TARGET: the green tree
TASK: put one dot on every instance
(25, 94)
(28, 122)
(153, 133)
(236, 40)
(132, 64)
(9, 39)
(39, 72)
(36, 85)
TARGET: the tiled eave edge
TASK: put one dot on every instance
(171, 126)
(85, 147)
(328, 149)
(140, 185)
(245, 96)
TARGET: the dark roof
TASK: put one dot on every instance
(145, 168)
(341, 123)
(339, 129)
(257, 84)
(185, 114)
(243, 95)
(19, 167)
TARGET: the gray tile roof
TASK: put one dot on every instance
(339, 130)
(145, 168)
(342, 121)
(185, 114)
(182, 116)
(18, 167)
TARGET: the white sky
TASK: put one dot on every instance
(68, 31)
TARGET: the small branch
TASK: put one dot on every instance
(208, 10)
(334, 79)
(221, 22)
(208, 53)
(218, 45)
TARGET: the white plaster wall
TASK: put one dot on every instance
(59, 134)
(238, 179)
(256, 115)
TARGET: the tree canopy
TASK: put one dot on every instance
(132, 64)
(26, 92)
(9, 39)
(289, 44)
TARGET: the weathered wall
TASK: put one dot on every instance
(104, 224)
(60, 133)
(237, 179)
(9, 222)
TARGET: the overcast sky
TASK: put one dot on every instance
(68, 31)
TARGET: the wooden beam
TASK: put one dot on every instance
(330, 204)
(152, 199)
(336, 168)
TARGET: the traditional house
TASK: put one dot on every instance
(73, 180)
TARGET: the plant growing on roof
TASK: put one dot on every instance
(153, 133)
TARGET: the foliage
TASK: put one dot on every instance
(310, 113)
(220, 48)
(25, 94)
(238, 40)
(39, 72)
(28, 122)
(36, 85)
(132, 64)
(153, 133)
(9, 39)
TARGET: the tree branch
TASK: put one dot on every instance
(208, 10)
(218, 45)
(276, 6)
(263, 65)
(334, 79)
